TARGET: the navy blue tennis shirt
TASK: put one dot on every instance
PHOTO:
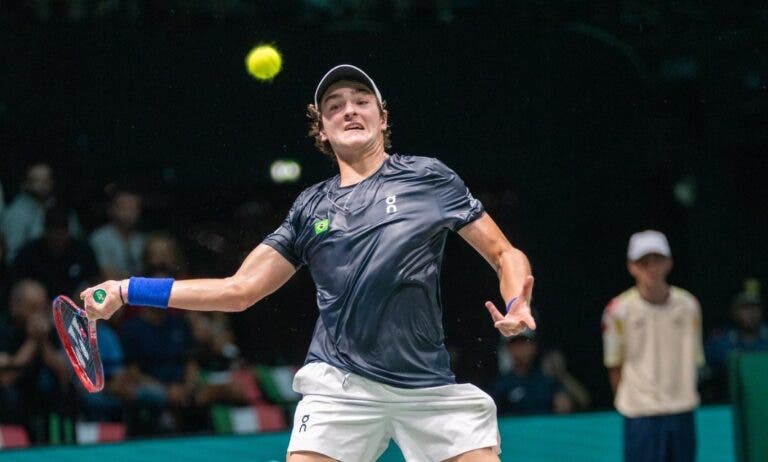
(374, 250)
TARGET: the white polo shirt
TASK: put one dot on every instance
(659, 349)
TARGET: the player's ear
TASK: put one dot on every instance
(383, 115)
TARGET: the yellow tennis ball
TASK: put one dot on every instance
(264, 62)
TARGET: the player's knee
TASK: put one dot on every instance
(476, 455)
(307, 456)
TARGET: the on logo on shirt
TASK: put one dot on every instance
(391, 204)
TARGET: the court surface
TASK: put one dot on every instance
(592, 437)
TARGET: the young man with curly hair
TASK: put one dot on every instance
(372, 238)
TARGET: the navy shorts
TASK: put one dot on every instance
(661, 438)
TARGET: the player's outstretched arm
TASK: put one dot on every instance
(263, 272)
(513, 269)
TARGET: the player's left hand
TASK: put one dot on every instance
(519, 317)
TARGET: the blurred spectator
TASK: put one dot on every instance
(2, 201)
(107, 405)
(37, 382)
(159, 344)
(58, 260)
(162, 254)
(24, 218)
(3, 274)
(553, 365)
(118, 245)
(10, 407)
(159, 348)
(525, 389)
(748, 333)
(221, 376)
(125, 386)
(216, 342)
(652, 349)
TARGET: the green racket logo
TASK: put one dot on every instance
(100, 295)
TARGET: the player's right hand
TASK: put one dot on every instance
(109, 304)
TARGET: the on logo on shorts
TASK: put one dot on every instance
(304, 420)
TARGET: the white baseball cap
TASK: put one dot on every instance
(647, 242)
(344, 72)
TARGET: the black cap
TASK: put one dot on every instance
(344, 72)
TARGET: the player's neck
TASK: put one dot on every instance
(656, 294)
(354, 169)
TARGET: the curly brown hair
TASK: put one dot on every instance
(316, 124)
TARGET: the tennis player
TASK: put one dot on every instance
(373, 238)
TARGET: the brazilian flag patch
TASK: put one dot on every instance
(321, 226)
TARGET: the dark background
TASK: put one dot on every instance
(575, 124)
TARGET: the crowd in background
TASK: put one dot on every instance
(165, 370)
(162, 368)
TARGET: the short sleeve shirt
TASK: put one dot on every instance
(375, 251)
(114, 252)
(659, 349)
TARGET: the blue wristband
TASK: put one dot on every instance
(150, 291)
(511, 302)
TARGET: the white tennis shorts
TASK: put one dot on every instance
(351, 419)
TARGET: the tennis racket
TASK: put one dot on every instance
(78, 336)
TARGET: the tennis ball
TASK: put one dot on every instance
(264, 62)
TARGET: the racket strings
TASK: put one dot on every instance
(77, 329)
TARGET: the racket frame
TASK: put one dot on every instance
(61, 329)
